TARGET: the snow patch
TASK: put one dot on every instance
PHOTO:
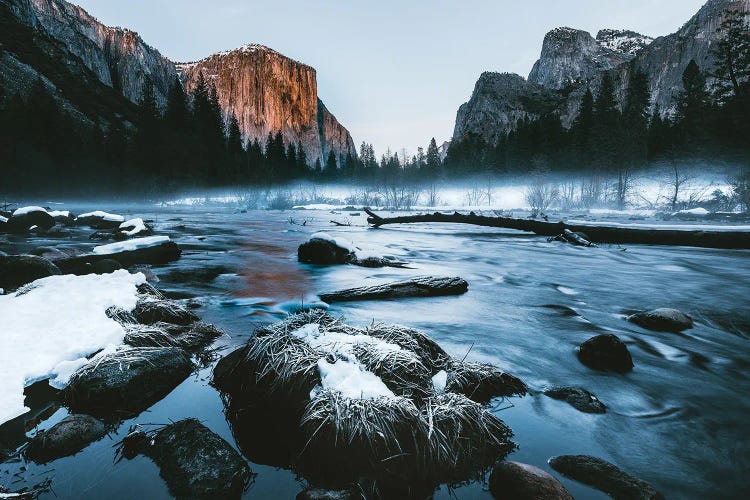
(28, 210)
(50, 326)
(693, 211)
(136, 226)
(129, 245)
(103, 215)
(351, 380)
(59, 213)
(3, 219)
(439, 381)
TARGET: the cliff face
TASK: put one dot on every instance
(269, 92)
(572, 60)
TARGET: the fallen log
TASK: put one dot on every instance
(415, 287)
(600, 234)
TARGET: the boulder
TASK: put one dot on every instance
(604, 476)
(127, 381)
(662, 320)
(149, 311)
(415, 287)
(23, 223)
(99, 220)
(481, 382)
(194, 462)
(606, 352)
(18, 270)
(324, 252)
(67, 437)
(578, 398)
(517, 481)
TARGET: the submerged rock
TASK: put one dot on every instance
(127, 381)
(606, 352)
(19, 270)
(604, 476)
(195, 462)
(578, 398)
(324, 251)
(415, 287)
(67, 437)
(517, 481)
(663, 320)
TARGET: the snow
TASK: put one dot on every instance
(129, 245)
(27, 210)
(671, 227)
(347, 375)
(693, 211)
(52, 324)
(3, 219)
(59, 213)
(136, 224)
(103, 215)
(351, 380)
(439, 381)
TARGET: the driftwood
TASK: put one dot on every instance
(600, 234)
(415, 287)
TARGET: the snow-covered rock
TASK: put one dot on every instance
(130, 245)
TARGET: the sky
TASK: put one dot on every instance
(394, 72)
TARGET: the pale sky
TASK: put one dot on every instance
(394, 72)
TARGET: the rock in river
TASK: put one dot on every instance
(195, 462)
(324, 251)
(578, 398)
(127, 381)
(18, 270)
(150, 311)
(604, 476)
(662, 320)
(67, 437)
(606, 352)
(415, 287)
(517, 481)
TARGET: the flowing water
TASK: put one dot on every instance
(679, 420)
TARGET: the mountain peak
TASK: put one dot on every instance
(625, 42)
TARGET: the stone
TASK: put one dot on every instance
(578, 398)
(415, 287)
(606, 352)
(149, 311)
(23, 223)
(604, 476)
(662, 320)
(19, 270)
(517, 481)
(323, 252)
(65, 438)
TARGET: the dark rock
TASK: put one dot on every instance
(606, 352)
(67, 437)
(106, 266)
(191, 338)
(102, 235)
(97, 222)
(150, 311)
(195, 462)
(156, 255)
(604, 476)
(18, 270)
(320, 494)
(127, 381)
(23, 223)
(323, 252)
(415, 287)
(578, 398)
(575, 238)
(663, 320)
(517, 481)
(481, 382)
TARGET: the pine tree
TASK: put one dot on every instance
(332, 166)
(691, 108)
(732, 53)
(148, 140)
(433, 158)
(605, 129)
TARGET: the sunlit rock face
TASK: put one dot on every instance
(269, 92)
(118, 57)
(572, 60)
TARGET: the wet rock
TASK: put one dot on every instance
(604, 476)
(482, 382)
(324, 252)
(127, 381)
(415, 287)
(321, 494)
(578, 398)
(662, 320)
(67, 437)
(191, 338)
(106, 266)
(18, 270)
(606, 352)
(23, 223)
(102, 235)
(195, 462)
(156, 255)
(150, 311)
(98, 221)
(517, 481)
(573, 237)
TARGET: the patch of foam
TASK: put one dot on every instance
(565, 290)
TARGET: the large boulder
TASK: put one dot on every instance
(604, 476)
(100, 220)
(127, 381)
(578, 398)
(517, 481)
(23, 221)
(662, 320)
(67, 437)
(606, 352)
(324, 251)
(18, 270)
(194, 462)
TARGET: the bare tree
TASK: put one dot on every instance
(677, 180)
(541, 193)
(433, 195)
